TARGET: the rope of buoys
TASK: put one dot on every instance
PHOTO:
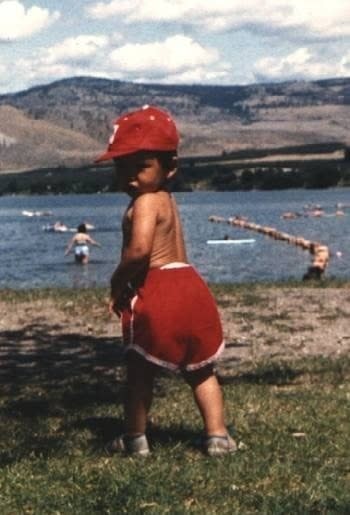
(319, 252)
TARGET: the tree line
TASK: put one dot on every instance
(302, 174)
(209, 176)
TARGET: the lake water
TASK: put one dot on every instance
(31, 257)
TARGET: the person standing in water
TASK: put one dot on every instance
(81, 241)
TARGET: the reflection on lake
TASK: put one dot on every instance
(32, 257)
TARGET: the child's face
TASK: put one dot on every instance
(140, 173)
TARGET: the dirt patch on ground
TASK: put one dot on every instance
(285, 324)
(269, 323)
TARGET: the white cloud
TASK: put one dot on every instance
(177, 59)
(16, 22)
(345, 64)
(76, 56)
(80, 48)
(38, 71)
(314, 18)
(175, 54)
(197, 75)
(301, 64)
(102, 10)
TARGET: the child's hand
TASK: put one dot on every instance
(113, 309)
(120, 301)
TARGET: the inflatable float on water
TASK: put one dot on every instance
(228, 241)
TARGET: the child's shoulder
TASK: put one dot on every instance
(158, 203)
(152, 198)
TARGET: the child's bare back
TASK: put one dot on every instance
(166, 242)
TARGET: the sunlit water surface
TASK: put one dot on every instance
(32, 257)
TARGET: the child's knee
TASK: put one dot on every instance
(196, 377)
(139, 369)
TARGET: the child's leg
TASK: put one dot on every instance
(139, 393)
(208, 396)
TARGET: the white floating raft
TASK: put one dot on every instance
(228, 242)
(36, 213)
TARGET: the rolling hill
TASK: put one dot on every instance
(68, 122)
(27, 143)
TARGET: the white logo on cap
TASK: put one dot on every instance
(115, 128)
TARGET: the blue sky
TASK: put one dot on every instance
(173, 41)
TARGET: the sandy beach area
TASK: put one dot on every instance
(50, 333)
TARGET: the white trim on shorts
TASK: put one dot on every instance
(166, 364)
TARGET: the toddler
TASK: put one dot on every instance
(169, 317)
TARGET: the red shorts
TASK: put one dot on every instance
(173, 320)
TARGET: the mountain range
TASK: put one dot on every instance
(68, 122)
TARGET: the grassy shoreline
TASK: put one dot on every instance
(62, 385)
(295, 283)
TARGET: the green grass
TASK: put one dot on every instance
(78, 297)
(53, 431)
(255, 290)
(292, 419)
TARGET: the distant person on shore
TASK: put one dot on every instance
(169, 317)
(81, 241)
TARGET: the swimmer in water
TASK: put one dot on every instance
(81, 241)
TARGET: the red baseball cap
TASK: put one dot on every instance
(148, 128)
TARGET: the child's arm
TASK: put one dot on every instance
(137, 251)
